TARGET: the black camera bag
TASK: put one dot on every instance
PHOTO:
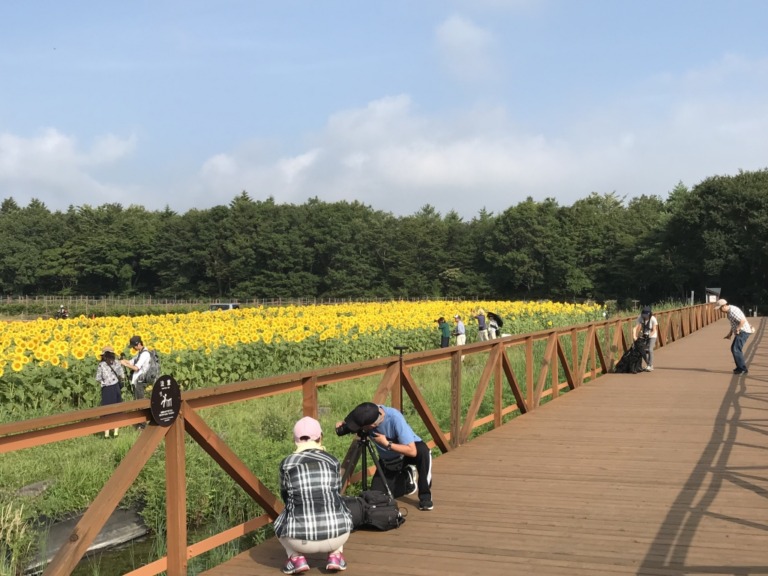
(374, 510)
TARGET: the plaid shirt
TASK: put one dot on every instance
(310, 485)
(735, 316)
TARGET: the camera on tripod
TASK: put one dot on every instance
(365, 414)
(344, 429)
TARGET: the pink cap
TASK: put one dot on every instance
(305, 428)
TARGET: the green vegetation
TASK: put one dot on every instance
(601, 247)
(259, 431)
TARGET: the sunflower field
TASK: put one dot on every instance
(50, 365)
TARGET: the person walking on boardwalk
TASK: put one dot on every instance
(740, 330)
(315, 519)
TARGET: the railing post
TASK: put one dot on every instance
(309, 397)
(498, 388)
(529, 373)
(455, 398)
(575, 364)
(176, 498)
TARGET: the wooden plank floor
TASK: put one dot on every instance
(662, 473)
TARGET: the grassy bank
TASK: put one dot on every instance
(259, 431)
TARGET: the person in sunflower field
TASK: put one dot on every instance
(445, 332)
(460, 332)
(110, 375)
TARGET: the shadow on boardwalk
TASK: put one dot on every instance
(735, 459)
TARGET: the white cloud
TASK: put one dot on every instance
(292, 168)
(397, 158)
(394, 156)
(57, 170)
(466, 49)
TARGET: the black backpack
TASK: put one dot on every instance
(374, 510)
(152, 372)
(632, 360)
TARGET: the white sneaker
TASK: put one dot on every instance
(649, 368)
(413, 480)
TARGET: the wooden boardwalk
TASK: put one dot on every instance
(662, 473)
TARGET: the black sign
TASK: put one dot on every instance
(166, 401)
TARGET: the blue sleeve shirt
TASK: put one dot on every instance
(396, 429)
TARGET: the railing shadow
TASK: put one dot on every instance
(668, 553)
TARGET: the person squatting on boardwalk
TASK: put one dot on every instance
(315, 518)
(740, 330)
(394, 439)
(647, 327)
(110, 374)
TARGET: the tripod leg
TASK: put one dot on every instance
(379, 470)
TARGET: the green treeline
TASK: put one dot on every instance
(601, 247)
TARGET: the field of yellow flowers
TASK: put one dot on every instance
(50, 364)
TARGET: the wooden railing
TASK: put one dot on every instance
(565, 358)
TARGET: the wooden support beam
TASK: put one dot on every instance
(176, 497)
(230, 463)
(89, 526)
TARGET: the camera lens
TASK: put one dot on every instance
(343, 430)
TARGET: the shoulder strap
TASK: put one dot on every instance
(113, 371)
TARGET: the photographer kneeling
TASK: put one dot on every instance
(400, 450)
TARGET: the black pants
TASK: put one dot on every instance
(397, 480)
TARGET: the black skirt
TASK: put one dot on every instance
(111, 394)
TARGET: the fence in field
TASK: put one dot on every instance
(88, 305)
(537, 367)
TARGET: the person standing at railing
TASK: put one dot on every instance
(646, 328)
(315, 518)
(740, 330)
(110, 375)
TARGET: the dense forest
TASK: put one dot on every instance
(601, 247)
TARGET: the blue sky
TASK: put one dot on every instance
(461, 104)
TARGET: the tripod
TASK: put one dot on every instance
(364, 443)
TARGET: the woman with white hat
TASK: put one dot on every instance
(315, 519)
(110, 375)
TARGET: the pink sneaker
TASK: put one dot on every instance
(295, 565)
(336, 562)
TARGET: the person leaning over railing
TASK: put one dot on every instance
(315, 518)
(740, 329)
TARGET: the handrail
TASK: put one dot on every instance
(578, 353)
